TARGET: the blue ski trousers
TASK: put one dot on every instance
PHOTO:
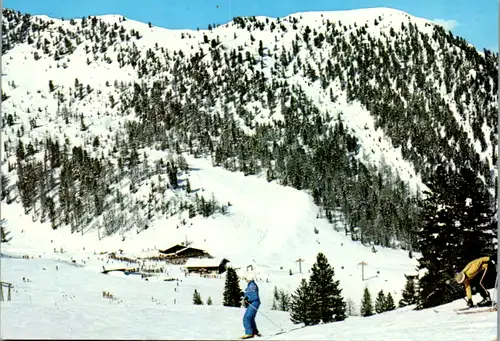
(249, 318)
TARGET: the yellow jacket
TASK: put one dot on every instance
(471, 270)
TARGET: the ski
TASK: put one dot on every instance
(273, 334)
(286, 331)
(490, 305)
(475, 310)
(244, 337)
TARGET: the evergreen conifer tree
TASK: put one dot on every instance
(232, 291)
(209, 301)
(409, 294)
(389, 303)
(478, 222)
(458, 227)
(380, 302)
(301, 305)
(439, 241)
(281, 300)
(284, 300)
(197, 298)
(366, 304)
(274, 306)
(329, 303)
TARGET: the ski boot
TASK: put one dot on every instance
(486, 302)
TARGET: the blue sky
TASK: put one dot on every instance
(476, 21)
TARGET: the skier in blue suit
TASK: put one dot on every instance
(252, 303)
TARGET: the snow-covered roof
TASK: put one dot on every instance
(200, 262)
(179, 248)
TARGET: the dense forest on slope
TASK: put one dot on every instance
(271, 104)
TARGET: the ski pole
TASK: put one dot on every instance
(250, 304)
(455, 289)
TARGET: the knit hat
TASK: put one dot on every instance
(460, 277)
(248, 275)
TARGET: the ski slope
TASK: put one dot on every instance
(67, 304)
(267, 226)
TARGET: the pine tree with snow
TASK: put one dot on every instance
(281, 300)
(197, 298)
(380, 302)
(232, 291)
(459, 221)
(284, 300)
(366, 304)
(389, 303)
(438, 239)
(302, 305)
(409, 294)
(478, 221)
(209, 301)
(274, 306)
(329, 303)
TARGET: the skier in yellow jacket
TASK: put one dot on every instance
(470, 271)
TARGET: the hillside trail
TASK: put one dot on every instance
(274, 217)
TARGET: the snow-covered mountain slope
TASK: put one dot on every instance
(312, 100)
(253, 140)
(267, 226)
(69, 303)
(61, 53)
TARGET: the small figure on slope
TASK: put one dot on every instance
(252, 303)
(470, 271)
